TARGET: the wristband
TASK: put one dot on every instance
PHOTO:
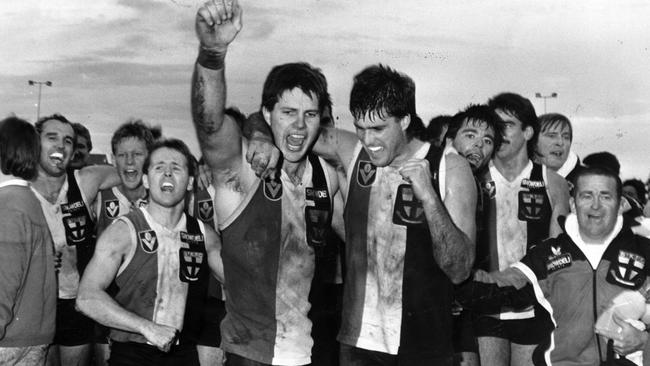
(211, 59)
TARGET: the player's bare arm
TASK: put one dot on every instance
(213, 249)
(451, 223)
(114, 246)
(217, 24)
(558, 190)
(94, 178)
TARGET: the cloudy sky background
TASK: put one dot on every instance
(110, 60)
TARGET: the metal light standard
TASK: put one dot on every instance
(539, 95)
(40, 86)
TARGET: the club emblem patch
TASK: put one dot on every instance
(489, 189)
(190, 264)
(530, 206)
(148, 241)
(317, 221)
(272, 188)
(366, 173)
(408, 210)
(112, 208)
(627, 270)
(206, 210)
(75, 229)
(558, 260)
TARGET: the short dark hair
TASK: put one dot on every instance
(551, 120)
(174, 144)
(639, 187)
(603, 159)
(133, 128)
(477, 113)
(20, 148)
(520, 108)
(300, 75)
(386, 92)
(597, 170)
(81, 130)
(435, 127)
(56, 117)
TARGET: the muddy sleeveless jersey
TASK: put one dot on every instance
(73, 232)
(166, 279)
(396, 298)
(518, 216)
(268, 259)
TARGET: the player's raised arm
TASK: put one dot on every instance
(217, 25)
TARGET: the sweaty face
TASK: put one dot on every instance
(295, 122)
(383, 137)
(130, 154)
(596, 206)
(168, 178)
(81, 153)
(475, 141)
(553, 145)
(57, 144)
(515, 136)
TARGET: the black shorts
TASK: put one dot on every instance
(72, 327)
(531, 331)
(140, 354)
(214, 312)
(463, 333)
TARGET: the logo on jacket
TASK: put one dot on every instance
(530, 205)
(148, 241)
(366, 173)
(190, 264)
(112, 208)
(272, 188)
(75, 229)
(558, 260)
(408, 210)
(627, 270)
(317, 221)
(206, 210)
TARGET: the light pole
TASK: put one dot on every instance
(40, 86)
(539, 95)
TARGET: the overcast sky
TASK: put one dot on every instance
(110, 60)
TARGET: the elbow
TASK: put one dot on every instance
(82, 303)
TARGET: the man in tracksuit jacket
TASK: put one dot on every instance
(575, 276)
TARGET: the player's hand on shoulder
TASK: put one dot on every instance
(217, 23)
(263, 156)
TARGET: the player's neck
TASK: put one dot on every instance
(407, 152)
(133, 194)
(295, 170)
(48, 186)
(512, 167)
(166, 216)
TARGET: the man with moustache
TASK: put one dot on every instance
(474, 133)
(270, 228)
(66, 197)
(157, 257)
(525, 201)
